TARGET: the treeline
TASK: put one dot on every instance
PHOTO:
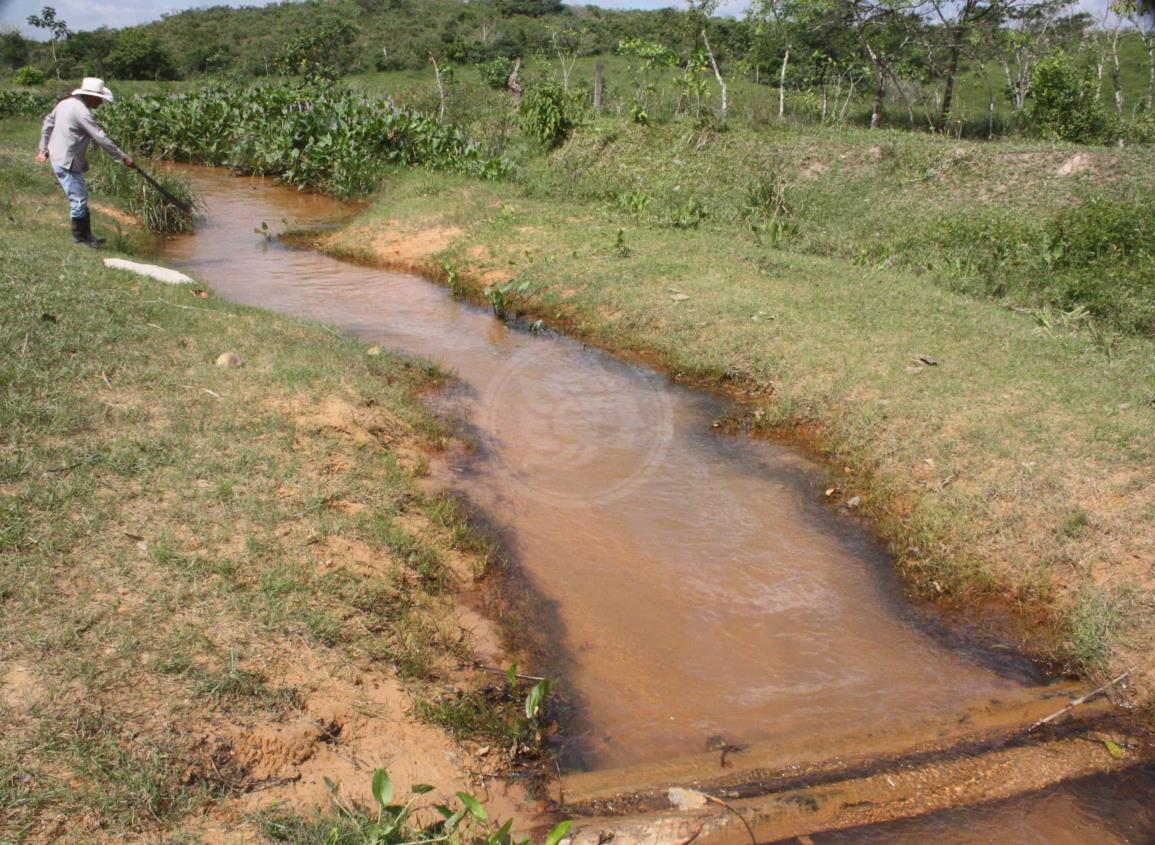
(974, 66)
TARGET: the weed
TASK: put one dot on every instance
(687, 214)
(503, 298)
(496, 714)
(620, 248)
(392, 823)
(768, 207)
(309, 136)
(234, 685)
(146, 203)
(546, 115)
(453, 279)
(1094, 623)
(634, 203)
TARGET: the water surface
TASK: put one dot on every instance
(700, 585)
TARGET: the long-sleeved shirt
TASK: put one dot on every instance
(68, 130)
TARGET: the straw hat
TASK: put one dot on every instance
(93, 87)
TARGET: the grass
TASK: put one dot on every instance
(1018, 466)
(186, 554)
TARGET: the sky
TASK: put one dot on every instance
(85, 14)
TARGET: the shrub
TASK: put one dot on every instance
(544, 116)
(25, 104)
(320, 54)
(139, 55)
(29, 75)
(1062, 105)
(496, 72)
(308, 136)
(143, 201)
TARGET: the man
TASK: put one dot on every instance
(68, 130)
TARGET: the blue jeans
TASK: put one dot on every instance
(72, 181)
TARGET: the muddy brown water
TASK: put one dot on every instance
(1107, 810)
(699, 585)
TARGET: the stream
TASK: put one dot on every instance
(697, 582)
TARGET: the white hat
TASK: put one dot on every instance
(93, 87)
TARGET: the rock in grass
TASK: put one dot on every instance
(685, 799)
(161, 274)
(229, 360)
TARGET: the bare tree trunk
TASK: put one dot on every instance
(879, 96)
(846, 102)
(514, 84)
(1115, 72)
(565, 63)
(440, 87)
(902, 93)
(782, 86)
(825, 95)
(1150, 39)
(952, 69)
(598, 87)
(718, 76)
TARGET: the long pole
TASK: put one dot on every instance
(164, 192)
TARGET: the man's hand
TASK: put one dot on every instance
(41, 157)
(129, 163)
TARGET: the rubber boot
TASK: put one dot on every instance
(84, 225)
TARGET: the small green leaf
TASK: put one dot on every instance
(452, 821)
(511, 675)
(420, 788)
(443, 810)
(474, 806)
(534, 699)
(1115, 750)
(382, 788)
(558, 833)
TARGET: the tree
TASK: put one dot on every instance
(138, 55)
(322, 53)
(1141, 15)
(57, 31)
(13, 50)
(960, 19)
(1035, 32)
(529, 8)
(87, 50)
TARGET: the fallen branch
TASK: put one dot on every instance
(496, 671)
(1082, 700)
(741, 818)
(211, 393)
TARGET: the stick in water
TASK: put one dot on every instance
(164, 192)
(1072, 705)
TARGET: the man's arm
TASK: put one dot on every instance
(103, 141)
(45, 134)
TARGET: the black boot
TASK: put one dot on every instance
(82, 232)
